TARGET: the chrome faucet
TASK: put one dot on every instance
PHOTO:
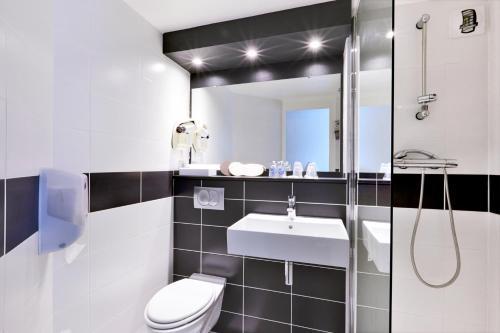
(291, 207)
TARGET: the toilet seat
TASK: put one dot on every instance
(180, 303)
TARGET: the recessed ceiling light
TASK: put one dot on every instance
(197, 61)
(252, 53)
(315, 44)
(389, 35)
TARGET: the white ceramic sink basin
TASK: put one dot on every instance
(377, 241)
(311, 240)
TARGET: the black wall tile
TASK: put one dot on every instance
(228, 267)
(186, 262)
(214, 240)
(495, 194)
(254, 325)
(156, 185)
(187, 236)
(2, 210)
(233, 189)
(265, 274)
(469, 192)
(384, 193)
(265, 207)
(367, 194)
(323, 315)
(111, 190)
(233, 211)
(233, 299)
(267, 304)
(319, 282)
(318, 210)
(229, 323)
(184, 211)
(185, 186)
(21, 210)
(319, 192)
(261, 190)
(406, 190)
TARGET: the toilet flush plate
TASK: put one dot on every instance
(321, 241)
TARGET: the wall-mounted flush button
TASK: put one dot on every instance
(209, 198)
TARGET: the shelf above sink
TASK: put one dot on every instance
(321, 241)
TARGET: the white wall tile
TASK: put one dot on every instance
(28, 289)
(493, 274)
(457, 126)
(29, 103)
(460, 305)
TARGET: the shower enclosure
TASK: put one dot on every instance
(446, 227)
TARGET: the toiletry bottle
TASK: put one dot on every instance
(281, 169)
(272, 170)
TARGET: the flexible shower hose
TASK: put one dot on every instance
(453, 232)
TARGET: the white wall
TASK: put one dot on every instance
(494, 145)
(242, 128)
(457, 72)
(464, 74)
(85, 88)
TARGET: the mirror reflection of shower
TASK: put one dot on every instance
(420, 159)
(426, 98)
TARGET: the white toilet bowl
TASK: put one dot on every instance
(190, 305)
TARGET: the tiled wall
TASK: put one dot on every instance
(84, 87)
(256, 297)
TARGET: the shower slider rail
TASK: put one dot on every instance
(419, 163)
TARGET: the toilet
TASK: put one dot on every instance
(190, 305)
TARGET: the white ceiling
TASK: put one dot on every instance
(171, 15)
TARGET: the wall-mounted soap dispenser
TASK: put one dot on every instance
(63, 209)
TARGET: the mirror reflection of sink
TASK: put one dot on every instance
(321, 241)
(377, 241)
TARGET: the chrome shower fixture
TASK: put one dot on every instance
(421, 159)
(426, 97)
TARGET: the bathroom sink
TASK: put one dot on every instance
(321, 241)
(377, 241)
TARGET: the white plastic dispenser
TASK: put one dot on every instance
(62, 209)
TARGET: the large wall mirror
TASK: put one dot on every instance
(298, 119)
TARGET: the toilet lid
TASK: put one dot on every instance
(180, 300)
